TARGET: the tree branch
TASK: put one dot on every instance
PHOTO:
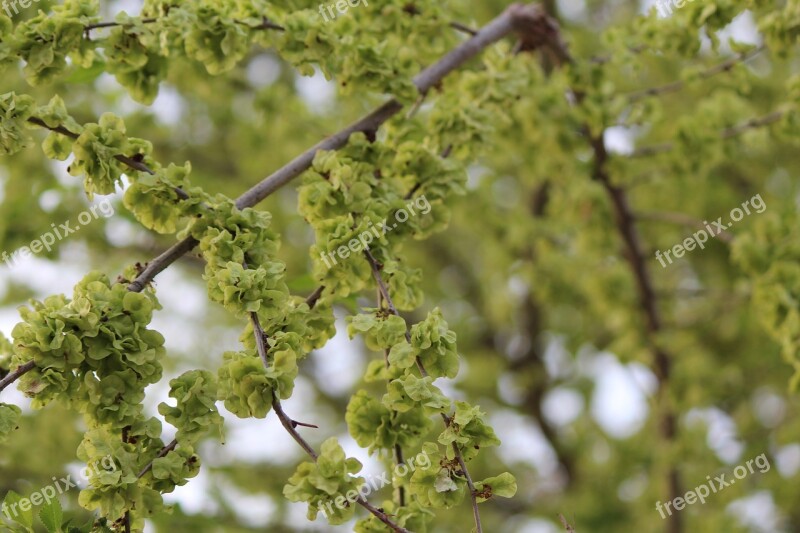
(503, 25)
(98, 25)
(626, 226)
(11, 377)
(160, 263)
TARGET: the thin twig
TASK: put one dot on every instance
(413, 111)
(261, 343)
(566, 524)
(265, 24)
(157, 265)
(463, 28)
(98, 25)
(375, 266)
(727, 133)
(713, 71)
(398, 459)
(164, 451)
(753, 123)
(131, 162)
(290, 425)
(314, 297)
(398, 450)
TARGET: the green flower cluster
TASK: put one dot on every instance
(15, 111)
(195, 412)
(329, 477)
(219, 35)
(402, 417)
(352, 190)
(93, 351)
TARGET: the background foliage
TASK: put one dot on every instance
(611, 382)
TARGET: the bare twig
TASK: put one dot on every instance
(398, 459)
(566, 524)
(398, 450)
(266, 24)
(157, 265)
(290, 426)
(753, 123)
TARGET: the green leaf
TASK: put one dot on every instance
(82, 76)
(503, 485)
(9, 419)
(402, 355)
(51, 516)
(12, 507)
